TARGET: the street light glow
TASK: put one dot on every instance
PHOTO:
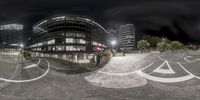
(113, 42)
(21, 45)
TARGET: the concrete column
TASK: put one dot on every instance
(95, 58)
(84, 57)
(59, 56)
(64, 57)
(75, 58)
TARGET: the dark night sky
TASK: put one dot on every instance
(175, 19)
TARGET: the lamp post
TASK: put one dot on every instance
(21, 52)
(113, 43)
(21, 45)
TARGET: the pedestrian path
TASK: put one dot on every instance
(114, 74)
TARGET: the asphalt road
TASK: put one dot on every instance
(163, 76)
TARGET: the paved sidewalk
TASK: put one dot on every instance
(114, 74)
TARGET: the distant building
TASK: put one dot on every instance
(11, 37)
(126, 36)
(72, 38)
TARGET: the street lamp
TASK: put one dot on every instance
(21, 52)
(113, 43)
(21, 45)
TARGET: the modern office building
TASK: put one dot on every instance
(126, 36)
(71, 38)
(11, 37)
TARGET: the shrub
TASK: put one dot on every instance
(153, 40)
(107, 53)
(27, 55)
(143, 45)
(175, 45)
(163, 46)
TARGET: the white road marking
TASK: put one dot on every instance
(29, 80)
(178, 62)
(169, 80)
(187, 59)
(188, 71)
(191, 61)
(33, 65)
(39, 62)
(162, 59)
(164, 71)
(120, 74)
(165, 80)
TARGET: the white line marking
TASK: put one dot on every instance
(164, 71)
(29, 80)
(191, 61)
(162, 59)
(178, 62)
(120, 74)
(188, 71)
(33, 65)
(164, 80)
(39, 62)
(187, 59)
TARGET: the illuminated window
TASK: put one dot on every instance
(11, 26)
(129, 36)
(53, 48)
(60, 48)
(81, 41)
(39, 44)
(94, 43)
(70, 48)
(38, 49)
(51, 41)
(80, 35)
(81, 48)
(69, 40)
(71, 34)
(75, 35)
(99, 44)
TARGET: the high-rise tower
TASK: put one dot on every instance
(126, 36)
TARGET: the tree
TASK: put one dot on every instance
(107, 53)
(27, 55)
(153, 40)
(165, 40)
(163, 46)
(176, 45)
(143, 45)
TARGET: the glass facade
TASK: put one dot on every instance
(11, 37)
(67, 34)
